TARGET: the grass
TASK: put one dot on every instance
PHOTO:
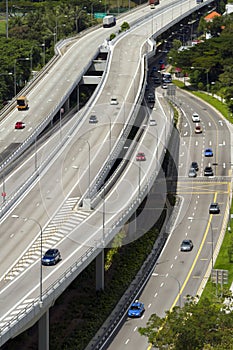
(2, 27)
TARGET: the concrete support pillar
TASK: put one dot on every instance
(43, 327)
(99, 265)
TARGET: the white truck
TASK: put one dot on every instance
(109, 21)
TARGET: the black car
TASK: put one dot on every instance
(208, 171)
(93, 119)
(51, 257)
(214, 208)
(194, 165)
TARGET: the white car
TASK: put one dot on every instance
(152, 122)
(195, 118)
(113, 101)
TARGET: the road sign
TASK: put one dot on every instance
(99, 15)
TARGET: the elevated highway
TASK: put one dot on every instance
(80, 233)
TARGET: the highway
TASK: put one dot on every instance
(52, 201)
(178, 274)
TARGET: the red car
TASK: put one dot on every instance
(140, 156)
(19, 125)
(198, 129)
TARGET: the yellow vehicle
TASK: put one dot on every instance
(22, 103)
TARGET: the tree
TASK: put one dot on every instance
(195, 326)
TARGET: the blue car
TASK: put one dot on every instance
(51, 257)
(208, 152)
(136, 309)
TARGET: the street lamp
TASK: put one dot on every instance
(3, 185)
(207, 76)
(41, 248)
(55, 31)
(43, 46)
(16, 60)
(7, 17)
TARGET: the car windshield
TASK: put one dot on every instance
(135, 307)
(50, 253)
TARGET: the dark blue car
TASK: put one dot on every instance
(51, 257)
(136, 309)
(208, 152)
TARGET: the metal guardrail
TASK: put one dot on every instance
(103, 337)
(34, 307)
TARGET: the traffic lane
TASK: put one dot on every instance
(216, 229)
(51, 189)
(50, 88)
(48, 197)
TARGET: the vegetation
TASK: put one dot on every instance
(196, 326)
(209, 64)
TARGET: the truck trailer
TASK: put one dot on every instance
(152, 3)
(109, 21)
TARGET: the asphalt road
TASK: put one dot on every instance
(53, 199)
(178, 274)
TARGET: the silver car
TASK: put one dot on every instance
(186, 245)
(192, 172)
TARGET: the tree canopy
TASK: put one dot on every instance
(195, 326)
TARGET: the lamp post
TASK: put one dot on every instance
(55, 31)
(207, 76)
(41, 248)
(16, 60)
(43, 46)
(7, 16)
(103, 215)
(3, 185)
(209, 224)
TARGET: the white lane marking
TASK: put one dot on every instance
(149, 306)
(186, 234)
(171, 266)
(210, 143)
(196, 143)
(185, 125)
(189, 227)
(155, 295)
(220, 122)
(224, 165)
(126, 341)
(135, 329)
(161, 285)
(209, 123)
(182, 154)
(175, 257)
(186, 133)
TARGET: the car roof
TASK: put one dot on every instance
(51, 251)
(186, 241)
